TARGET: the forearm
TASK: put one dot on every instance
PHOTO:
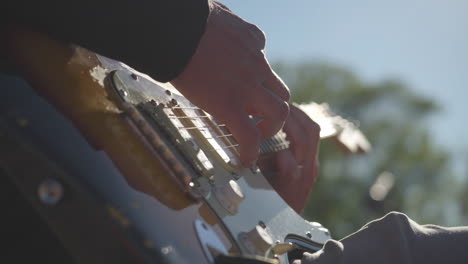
(396, 239)
(154, 36)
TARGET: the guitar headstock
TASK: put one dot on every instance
(345, 133)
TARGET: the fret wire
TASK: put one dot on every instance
(271, 144)
(283, 144)
(276, 140)
(279, 143)
(265, 144)
(266, 149)
(274, 147)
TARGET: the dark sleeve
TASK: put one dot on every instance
(157, 37)
(396, 239)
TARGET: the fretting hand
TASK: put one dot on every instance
(293, 171)
(230, 78)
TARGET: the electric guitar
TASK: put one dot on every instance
(126, 169)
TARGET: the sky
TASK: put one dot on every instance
(422, 42)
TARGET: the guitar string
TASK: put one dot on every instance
(272, 143)
(208, 128)
(275, 145)
(268, 145)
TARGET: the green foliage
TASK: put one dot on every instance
(393, 119)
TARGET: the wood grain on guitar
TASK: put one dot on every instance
(175, 153)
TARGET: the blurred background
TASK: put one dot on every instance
(400, 68)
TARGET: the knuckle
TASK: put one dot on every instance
(315, 127)
(258, 34)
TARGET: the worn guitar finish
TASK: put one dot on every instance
(180, 190)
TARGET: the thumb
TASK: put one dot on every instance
(332, 253)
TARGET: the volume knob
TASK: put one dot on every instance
(257, 241)
(229, 196)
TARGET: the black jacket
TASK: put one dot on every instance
(157, 37)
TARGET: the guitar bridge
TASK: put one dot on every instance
(161, 116)
(191, 143)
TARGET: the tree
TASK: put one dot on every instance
(405, 171)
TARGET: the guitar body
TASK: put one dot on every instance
(137, 163)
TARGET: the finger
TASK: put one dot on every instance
(287, 167)
(310, 168)
(279, 169)
(276, 84)
(271, 109)
(286, 180)
(246, 134)
(311, 127)
(309, 175)
(300, 144)
(303, 133)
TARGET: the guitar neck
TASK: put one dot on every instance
(276, 143)
(345, 133)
